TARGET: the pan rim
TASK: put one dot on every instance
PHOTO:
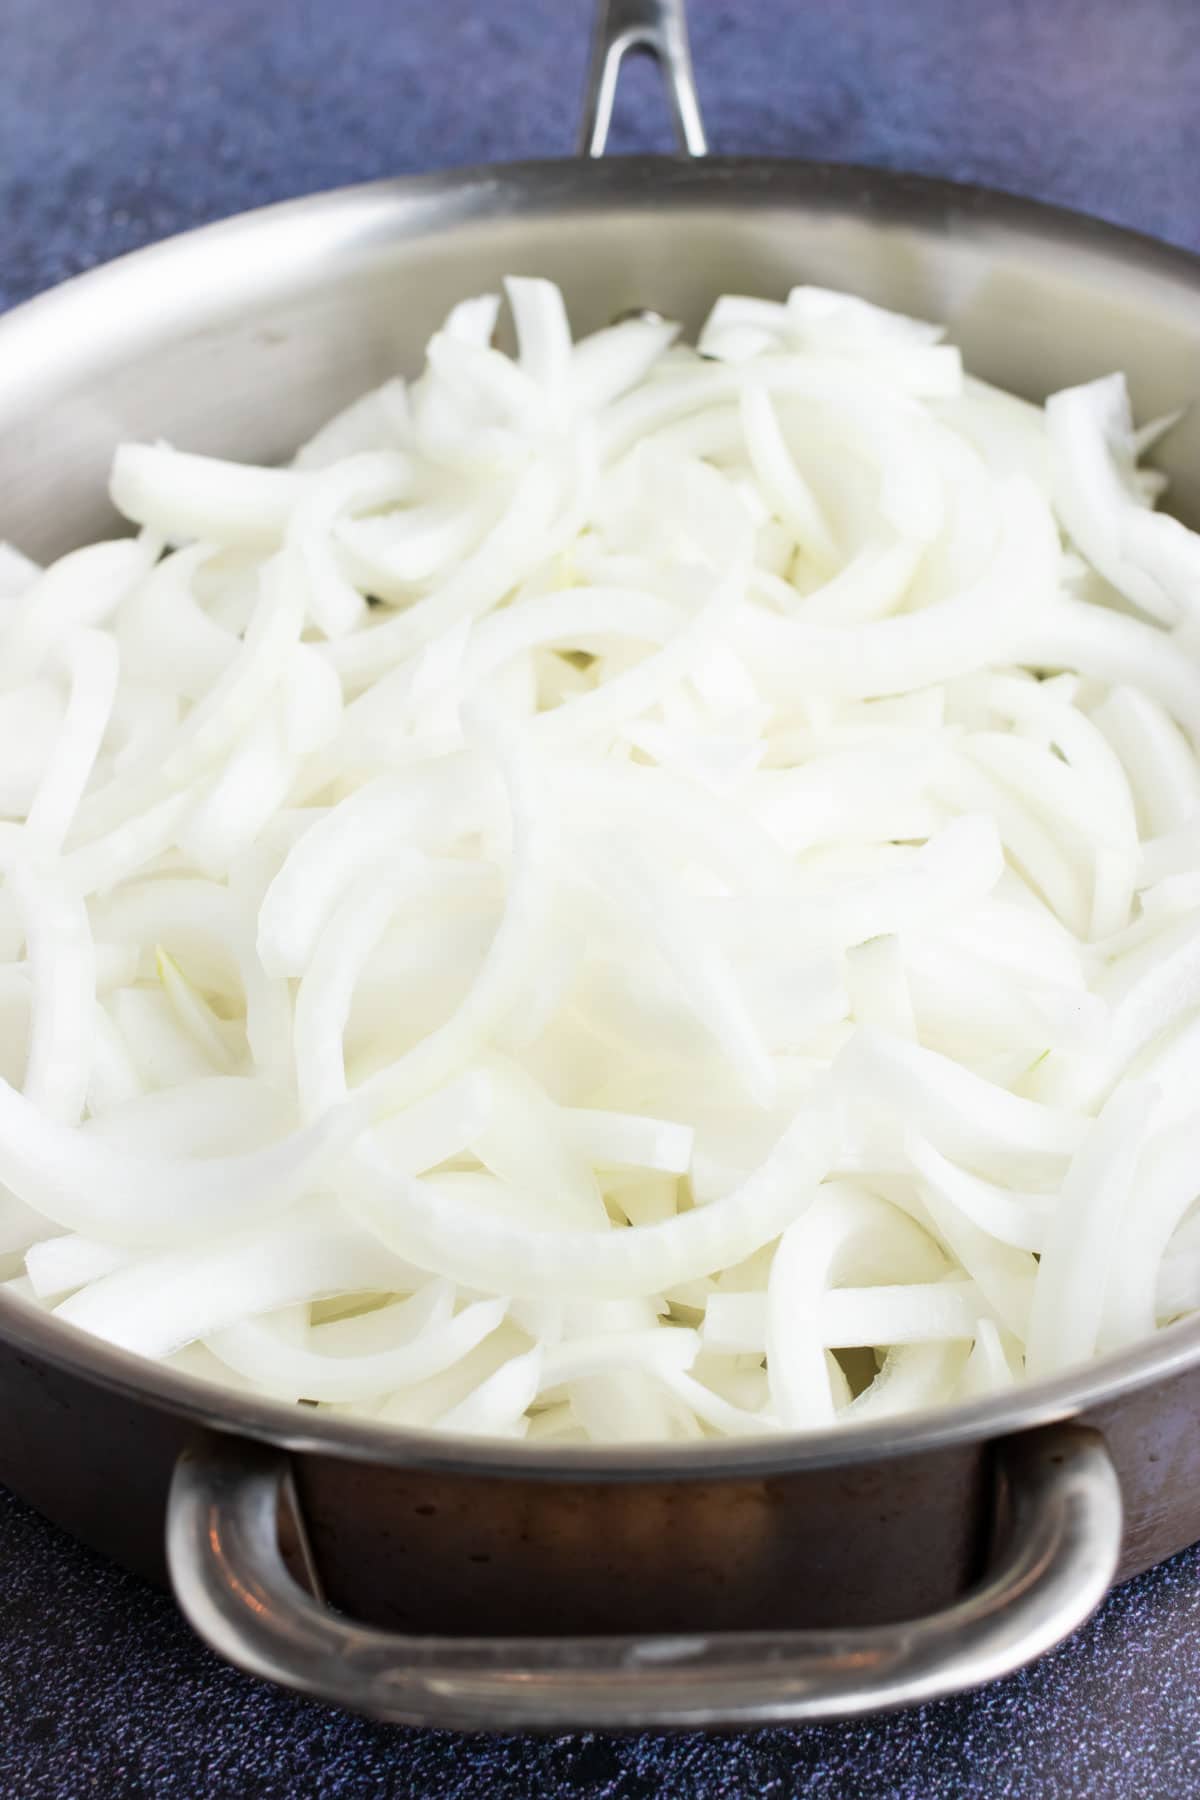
(301, 1430)
(491, 190)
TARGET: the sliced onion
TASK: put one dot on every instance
(102, 1191)
(159, 1303)
(1148, 557)
(461, 1243)
(1075, 1267)
(62, 963)
(618, 873)
(253, 1350)
(185, 496)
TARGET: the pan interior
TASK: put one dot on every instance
(240, 339)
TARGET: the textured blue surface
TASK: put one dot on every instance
(105, 1695)
(122, 122)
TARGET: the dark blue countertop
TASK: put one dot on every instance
(122, 122)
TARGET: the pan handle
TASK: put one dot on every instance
(657, 28)
(1060, 1554)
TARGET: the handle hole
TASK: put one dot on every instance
(641, 120)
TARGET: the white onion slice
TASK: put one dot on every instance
(59, 1265)
(185, 496)
(1148, 557)
(164, 633)
(159, 1303)
(253, 1350)
(968, 1118)
(462, 1243)
(62, 963)
(843, 1233)
(102, 1191)
(1075, 1267)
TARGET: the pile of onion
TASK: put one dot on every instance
(631, 892)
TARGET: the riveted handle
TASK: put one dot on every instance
(656, 28)
(231, 1581)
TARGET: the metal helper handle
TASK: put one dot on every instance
(659, 29)
(1059, 1556)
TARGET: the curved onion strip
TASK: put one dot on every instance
(82, 589)
(125, 851)
(1150, 558)
(543, 335)
(92, 665)
(1165, 1187)
(524, 1142)
(784, 487)
(640, 688)
(1153, 753)
(524, 534)
(254, 1350)
(439, 1127)
(987, 1370)
(609, 362)
(1147, 990)
(59, 1265)
(1045, 862)
(1003, 1274)
(216, 721)
(703, 974)
(186, 496)
(392, 556)
(846, 1318)
(720, 1415)
(62, 963)
(466, 1245)
(870, 586)
(913, 1376)
(847, 1232)
(657, 807)
(1077, 1264)
(497, 1407)
(913, 1312)
(628, 1140)
(661, 1351)
(430, 805)
(362, 482)
(213, 1115)
(165, 635)
(497, 984)
(1054, 789)
(573, 618)
(325, 993)
(93, 1187)
(984, 623)
(967, 1117)
(1051, 718)
(159, 1303)
(1068, 634)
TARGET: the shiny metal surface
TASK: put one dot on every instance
(312, 301)
(653, 27)
(239, 340)
(1060, 1553)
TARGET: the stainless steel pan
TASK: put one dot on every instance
(479, 1585)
